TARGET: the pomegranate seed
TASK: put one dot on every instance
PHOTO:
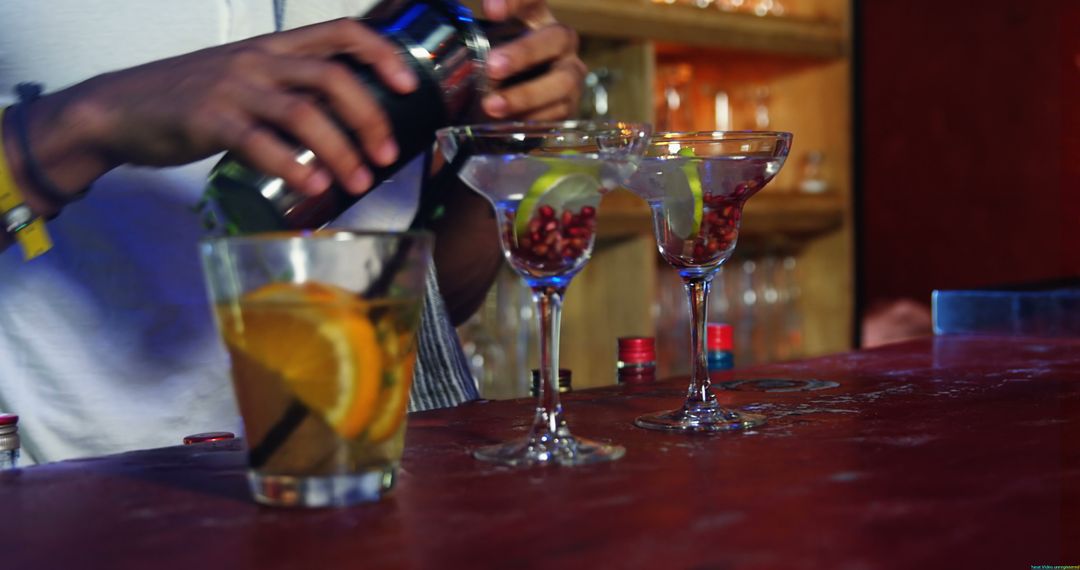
(547, 212)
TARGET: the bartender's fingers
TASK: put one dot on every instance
(537, 47)
(348, 99)
(535, 13)
(346, 36)
(261, 148)
(562, 84)
(557, 111)
(302, 119)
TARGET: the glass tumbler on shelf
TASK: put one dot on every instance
(321, 333)
(696, 185)
(545, 181)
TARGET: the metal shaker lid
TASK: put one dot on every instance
(445, 38)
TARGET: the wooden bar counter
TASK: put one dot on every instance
(940, 453)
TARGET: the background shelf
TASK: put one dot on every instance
(688, 25)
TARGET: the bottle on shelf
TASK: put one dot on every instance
(720, 345)
(637, 360)
(9, 441)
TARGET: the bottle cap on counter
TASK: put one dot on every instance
(719, 336)
(208, 437)
(9, 432)
(637, 349)
(565, 384)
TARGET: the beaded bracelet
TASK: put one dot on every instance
(16, 218)
(28, 93)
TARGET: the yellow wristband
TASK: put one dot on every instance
(15, 216)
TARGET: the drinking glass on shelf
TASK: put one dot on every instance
(696, 184)
(731, 5)
(768, 8)
(545, 181)
(596, 98)
(674, 105)
(812, 177)
(791, 339)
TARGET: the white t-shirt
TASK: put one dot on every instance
(107, 342)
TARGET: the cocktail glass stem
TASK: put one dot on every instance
(701, 412)
(549, 421)
(699, 396)
(549, 440)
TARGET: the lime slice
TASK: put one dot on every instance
(563, 187)
(684, 202)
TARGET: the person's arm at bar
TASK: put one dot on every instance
(240, 97)
(467, 254)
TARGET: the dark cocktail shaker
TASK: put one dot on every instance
(447, 49)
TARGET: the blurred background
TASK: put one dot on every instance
(937, 146)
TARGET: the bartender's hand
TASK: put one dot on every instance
(551, 96)
(240, 97)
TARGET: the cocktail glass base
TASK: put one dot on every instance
(565, 450)
(701, 420)
(321, 491)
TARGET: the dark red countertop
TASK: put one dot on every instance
(941, 453)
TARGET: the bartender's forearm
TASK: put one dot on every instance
(467, 254)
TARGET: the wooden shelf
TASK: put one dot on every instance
(773, 215)
(686, 25)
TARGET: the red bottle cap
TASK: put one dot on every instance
(208, 437)
(8, 419)
(719, 336)
(637, 349)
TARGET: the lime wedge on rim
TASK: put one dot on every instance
(684, 202)
(563, 187)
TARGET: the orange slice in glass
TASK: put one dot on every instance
(393, 400)
(320, 341)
